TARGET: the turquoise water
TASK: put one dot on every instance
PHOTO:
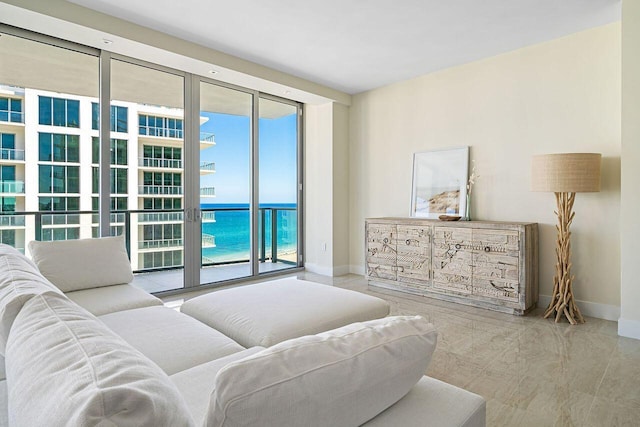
(232, 235)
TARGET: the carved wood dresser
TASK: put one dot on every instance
(486, 264)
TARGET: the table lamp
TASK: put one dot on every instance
(565, 175)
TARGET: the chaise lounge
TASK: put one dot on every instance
(84, 347)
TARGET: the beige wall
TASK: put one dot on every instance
(559, 96)
(629, 323)
(318, 201)
(340, 189)
(327, 189)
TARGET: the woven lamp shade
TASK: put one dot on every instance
(566, 173)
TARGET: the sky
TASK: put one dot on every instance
(277, 158)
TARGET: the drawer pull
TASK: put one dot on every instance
(458, 246)
(487, 249)
(385, 240)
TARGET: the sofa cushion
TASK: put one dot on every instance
(266, 313)
(196, 384)
(20, 280)
(65, 368)
(86, 263)
(174, 341)
(109, 299)
(342, 377)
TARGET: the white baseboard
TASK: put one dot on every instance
(318, 269)
(339, 270)
(356, 269)
(629, 328)
(591, 309)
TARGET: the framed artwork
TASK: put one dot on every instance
(440, 182)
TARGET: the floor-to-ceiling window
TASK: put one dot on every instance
(224, 194)
(46, 90)
(278, 184)
(225, 182)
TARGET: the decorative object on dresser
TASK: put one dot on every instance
(439, 182)
(470, 183)
(565, 175)
(486, 264)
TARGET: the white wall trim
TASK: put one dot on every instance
(356, 269)
(341, 270)
(629, 328)
(318, 269)
(591, 309)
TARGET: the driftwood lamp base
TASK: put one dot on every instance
(562, 300)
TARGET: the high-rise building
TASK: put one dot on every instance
(49, 162)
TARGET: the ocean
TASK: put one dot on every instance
(232, 235)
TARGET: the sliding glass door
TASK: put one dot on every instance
(278, 185)
(202, 178)
(225, 182)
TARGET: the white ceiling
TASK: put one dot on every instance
(357, 45)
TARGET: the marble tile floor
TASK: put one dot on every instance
(531, 371)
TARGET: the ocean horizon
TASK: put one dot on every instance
(231, 230)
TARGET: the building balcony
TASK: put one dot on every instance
(9, 116)
(154, 217)
(12, 154)
(207, 168)
(160, 189)
(12, 221)
(160, 132)
(208, 192)
(12, 187)
(114, 218)
(207, 138)
(160, 244)
(147, 162)
(208, 241)
(208, 217)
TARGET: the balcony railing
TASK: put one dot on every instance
(162, 132)
(160, 217)
(160, 163)
(11, 116)
(208, 241)
(160, 244)
(114, 218)
(14, 187)
(208, 216)
(160, 189)
(207, 137)
(272, 222)
(11, 154)
(210, 166)
(208, 192)
(12, 221)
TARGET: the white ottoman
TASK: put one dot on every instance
(267, 313)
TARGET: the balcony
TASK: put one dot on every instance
(12, 187)
(11, 154)
(208, 241)
(12, 221)
(160, 132)
(160, 244)
(155, 217)
(207, 168)
(207, 138)
(147, 162)
(11, 116)
(208, 192)
(114, 218)
(160, 189)
(208, 217)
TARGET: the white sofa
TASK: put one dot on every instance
(93, 350)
